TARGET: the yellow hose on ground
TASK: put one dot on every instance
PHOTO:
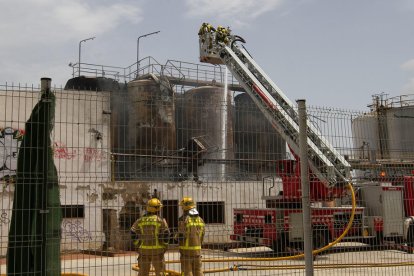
(298, 256)
(316, 266)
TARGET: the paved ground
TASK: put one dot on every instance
(338, 263)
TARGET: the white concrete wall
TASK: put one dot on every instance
(81, 151)
(234, 194)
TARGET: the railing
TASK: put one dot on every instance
(381, 100)
(172, 68)
(400, 101)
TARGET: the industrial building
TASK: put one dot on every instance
(117, 142)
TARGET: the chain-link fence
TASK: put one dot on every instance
(116, 146)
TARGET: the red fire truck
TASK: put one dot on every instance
(385, 214)
(380, 214)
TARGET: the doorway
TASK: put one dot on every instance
(170, 213)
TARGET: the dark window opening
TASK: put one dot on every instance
(73, 211)
(211, 212)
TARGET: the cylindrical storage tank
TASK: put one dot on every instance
(119, 130)
(365, 137)
(151, 129)
(207, 114)
(258, 144)
(400, 126)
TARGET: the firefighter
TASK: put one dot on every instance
(206, 28)
(222, 34)
(152, 235)
(190, 238)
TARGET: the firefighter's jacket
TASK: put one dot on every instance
(190, 234)
(152, 234)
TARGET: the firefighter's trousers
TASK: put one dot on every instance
(191, 265)
(144, 263)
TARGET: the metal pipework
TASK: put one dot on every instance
(80, 48)
(141, 36)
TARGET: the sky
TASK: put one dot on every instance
(333, 53)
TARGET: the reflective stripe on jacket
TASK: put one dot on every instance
(148, 229)
(193, 233)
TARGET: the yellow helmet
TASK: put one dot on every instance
(154, 205)
(187, 203)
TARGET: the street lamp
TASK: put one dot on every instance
(80, 45)
(138, 47)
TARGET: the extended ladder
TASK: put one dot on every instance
(325, 162)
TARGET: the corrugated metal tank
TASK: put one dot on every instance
(206, 112)
(365, 137)
(151, 128)
(400, 126)
(257, 143)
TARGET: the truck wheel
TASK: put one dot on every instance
(320, 237)
(280, 245)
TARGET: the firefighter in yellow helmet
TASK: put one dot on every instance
(152, 236)
(206, 28)
(190, 238)
(222, 34)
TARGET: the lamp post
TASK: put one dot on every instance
(141, 36)
(80, 48)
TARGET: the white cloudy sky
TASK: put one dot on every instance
(330, 52)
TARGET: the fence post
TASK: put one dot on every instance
(304, 175)
(45, 87)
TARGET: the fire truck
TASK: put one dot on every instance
(386, 208)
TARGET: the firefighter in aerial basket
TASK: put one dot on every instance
(190, 238)
(222, 34)
(206, 28)
(152, 236)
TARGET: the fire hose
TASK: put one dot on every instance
(294, 257)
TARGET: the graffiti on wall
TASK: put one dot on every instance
(75, 230)
(4, 217)
(91, 154)
(61, 151)
(10, 140)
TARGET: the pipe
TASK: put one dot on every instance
(237, 38)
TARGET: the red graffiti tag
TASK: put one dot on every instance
(61, 151)
(90, 154)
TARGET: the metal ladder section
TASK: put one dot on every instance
(325, 162)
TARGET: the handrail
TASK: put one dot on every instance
(172, 68)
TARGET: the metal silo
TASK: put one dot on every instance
(365, 137)
(151, 129)
(207, 116)
(258, 145)
(400, 126)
